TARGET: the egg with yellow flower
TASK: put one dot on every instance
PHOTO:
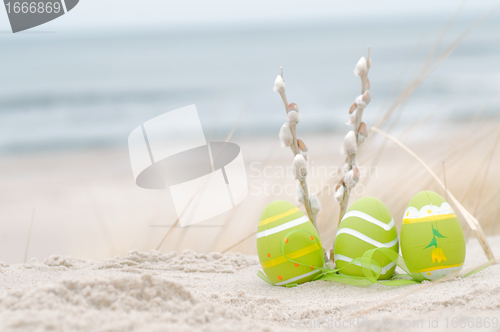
(432, 239)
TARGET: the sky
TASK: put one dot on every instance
(123, 14)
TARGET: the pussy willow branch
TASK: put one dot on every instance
(342, 189)
(296, 150)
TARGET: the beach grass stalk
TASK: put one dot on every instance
(471, 220)
(28, 240)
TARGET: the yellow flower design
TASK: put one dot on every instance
(438, 254)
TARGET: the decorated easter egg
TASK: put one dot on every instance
(367, 224)
(432, 240)
(288, 245)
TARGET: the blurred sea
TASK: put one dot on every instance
(66, 89)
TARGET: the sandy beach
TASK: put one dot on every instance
(103, 214)
(86, 127)
(189, 291)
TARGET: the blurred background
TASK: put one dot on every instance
(73, 89)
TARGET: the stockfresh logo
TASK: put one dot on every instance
(204, 178)
(25, 15)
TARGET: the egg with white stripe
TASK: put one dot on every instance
(367, 224)
(432, 239)
(283, 226)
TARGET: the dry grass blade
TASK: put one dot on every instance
(486, 204)
(102, 223)
(171, 230)
(239, 242)
(485, 176)
(167, 236)
(471, 221)
(29, 235)
(269, 158)
(497, 212)
(444, 179)
(430, 65)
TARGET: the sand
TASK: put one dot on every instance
(188, 291)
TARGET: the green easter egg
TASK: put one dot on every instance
(283, 226)
(432, 240)
(367, 224)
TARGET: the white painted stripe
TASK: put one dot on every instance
(283, 227)
(370, 219)
(388, 267)
(281, 283)
(384, 270)
(367, 239)
(339, 257)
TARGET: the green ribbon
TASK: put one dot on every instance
(372, 271)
